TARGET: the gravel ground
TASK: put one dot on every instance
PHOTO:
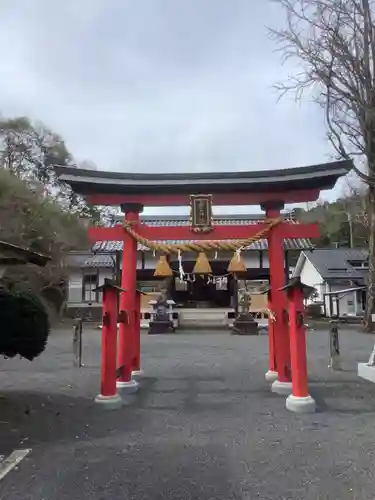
(203, 426)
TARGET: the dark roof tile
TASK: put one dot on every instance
(334, 263)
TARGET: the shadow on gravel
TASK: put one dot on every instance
(344, 397)
(31, 418)
(333, 383)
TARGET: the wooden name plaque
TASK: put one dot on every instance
(201, 213)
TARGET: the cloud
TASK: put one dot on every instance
(157, 85)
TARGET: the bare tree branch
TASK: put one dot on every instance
(333, 42)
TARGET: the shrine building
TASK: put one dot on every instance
(216, 291)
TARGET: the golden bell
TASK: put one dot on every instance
(202, 265)
(163, 269)
(236, 265)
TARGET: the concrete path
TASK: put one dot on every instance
(203, 426)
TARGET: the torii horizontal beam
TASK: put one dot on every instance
(219, 199)
(228, 232)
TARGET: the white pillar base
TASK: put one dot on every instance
(366, 371)
(283, 388)
(270, 376)
(138, 374)
(109, 402)
(300, 404)
(128, 387)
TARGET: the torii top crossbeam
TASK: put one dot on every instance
(292, 185)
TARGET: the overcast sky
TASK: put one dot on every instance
(157, 85)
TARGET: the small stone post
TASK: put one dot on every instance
(170, 304)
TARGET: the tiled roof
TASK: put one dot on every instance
(219, 220)
(184, 220)
(334, 263)
(76, 258)
(11, 253)
(99, 260)
(289, 244)
(237, 220)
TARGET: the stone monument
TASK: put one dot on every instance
(244, 323)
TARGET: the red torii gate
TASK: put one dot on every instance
(270, 189)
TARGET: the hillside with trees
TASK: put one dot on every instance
(343, 223)
(37, 211)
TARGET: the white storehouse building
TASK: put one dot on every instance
(331, 270)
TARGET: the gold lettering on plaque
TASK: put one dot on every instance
(201, 213)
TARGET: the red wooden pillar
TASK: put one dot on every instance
(136, 365)
(271, 374)
(127, 329)
(108, 393)
(283, 383)
(299, 401)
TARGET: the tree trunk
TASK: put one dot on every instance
(370, 303)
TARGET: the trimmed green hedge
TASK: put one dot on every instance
(24, 324)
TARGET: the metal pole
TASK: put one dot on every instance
(286, 257)
(118, 267)
(351, 239)
(334, 345)
(77, 342)
(235, 296)
(80, 344)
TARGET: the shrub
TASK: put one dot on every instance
(24, 324)
(313, 311)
